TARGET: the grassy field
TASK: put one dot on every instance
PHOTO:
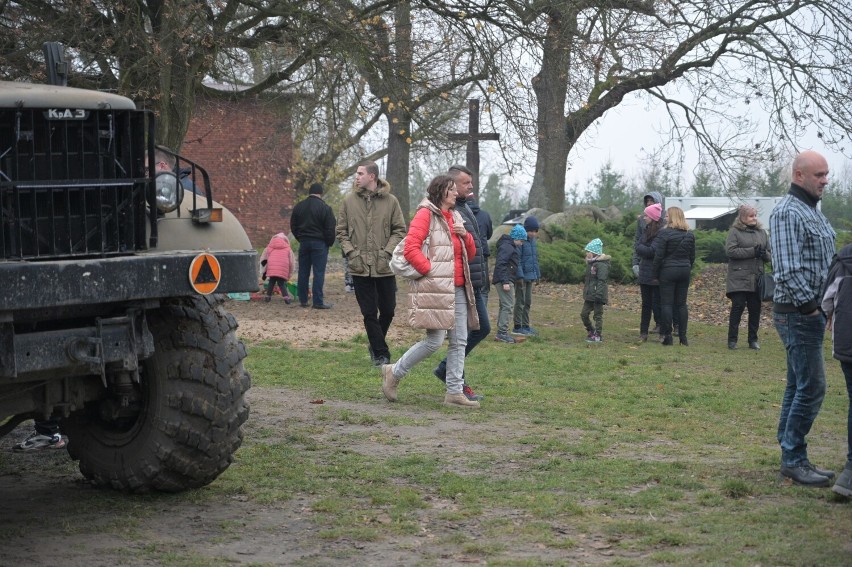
(618, 453)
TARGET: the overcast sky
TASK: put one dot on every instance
(624, 132)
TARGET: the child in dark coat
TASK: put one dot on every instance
(505, 270)
(596, 291)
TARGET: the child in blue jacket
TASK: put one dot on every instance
(528, 273)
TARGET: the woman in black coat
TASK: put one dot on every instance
(648, 286)
(673, 260)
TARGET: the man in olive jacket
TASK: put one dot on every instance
(369, 227)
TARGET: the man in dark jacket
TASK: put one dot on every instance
(478, 271)
(313, 224)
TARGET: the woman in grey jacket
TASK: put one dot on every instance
(747, 248)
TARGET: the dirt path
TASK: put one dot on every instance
(51, 516)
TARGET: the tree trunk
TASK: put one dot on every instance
(550, 86)
(397, 112)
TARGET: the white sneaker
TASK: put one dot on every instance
(36, 442)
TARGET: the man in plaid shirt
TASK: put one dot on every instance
(802, 243)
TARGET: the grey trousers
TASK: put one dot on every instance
(430, 345)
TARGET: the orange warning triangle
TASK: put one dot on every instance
(205, 273)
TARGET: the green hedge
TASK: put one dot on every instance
(563, 259)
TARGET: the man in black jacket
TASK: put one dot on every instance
(313, 225)
(478, 271)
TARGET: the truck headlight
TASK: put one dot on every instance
(169, 191)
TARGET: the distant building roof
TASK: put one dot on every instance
(708, 213)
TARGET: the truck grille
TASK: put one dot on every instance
(72, 183)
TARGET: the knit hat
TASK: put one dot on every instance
(531, 224)
(654, 212)
(316, 189)
(518, 233)
(595, 247)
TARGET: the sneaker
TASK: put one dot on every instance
(503, 338)
(517, 331)
(288, 300)
(595, 337)
(380, 361)
(529, 331)
(843, 486)
(349, 288)
(804, 475)
(459, 400)
(470, 394)
(589, 334)
(389, 383)
(36, 442)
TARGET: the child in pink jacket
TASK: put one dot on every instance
(277, 262)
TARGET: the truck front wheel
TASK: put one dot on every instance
(192, 406)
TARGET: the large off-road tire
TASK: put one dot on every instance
(193, 406)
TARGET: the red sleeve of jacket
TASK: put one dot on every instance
(418, 230)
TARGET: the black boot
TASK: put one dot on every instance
(667, 340)
(683, 341)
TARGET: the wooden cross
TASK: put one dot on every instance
(472, 137)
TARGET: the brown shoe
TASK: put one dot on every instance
(389, 382)
(459, 400)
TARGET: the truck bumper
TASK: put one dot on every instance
(36, 285)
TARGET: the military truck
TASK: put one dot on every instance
(112, 283)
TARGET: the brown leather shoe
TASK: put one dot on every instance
(389, 382)
(459, 400)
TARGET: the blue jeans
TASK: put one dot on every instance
(802, 336)
(847, 372)
(473, 337)
(313, 254)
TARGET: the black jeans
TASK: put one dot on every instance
(650, 305)
(280, 282)
(377, 300)
(739, 301)
(674, 287)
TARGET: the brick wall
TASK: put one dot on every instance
(246, 148)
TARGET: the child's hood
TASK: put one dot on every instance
(279, 241)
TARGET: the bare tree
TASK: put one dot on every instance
(159, 51)
(576, 60)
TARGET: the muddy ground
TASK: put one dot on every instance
(47, 515)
